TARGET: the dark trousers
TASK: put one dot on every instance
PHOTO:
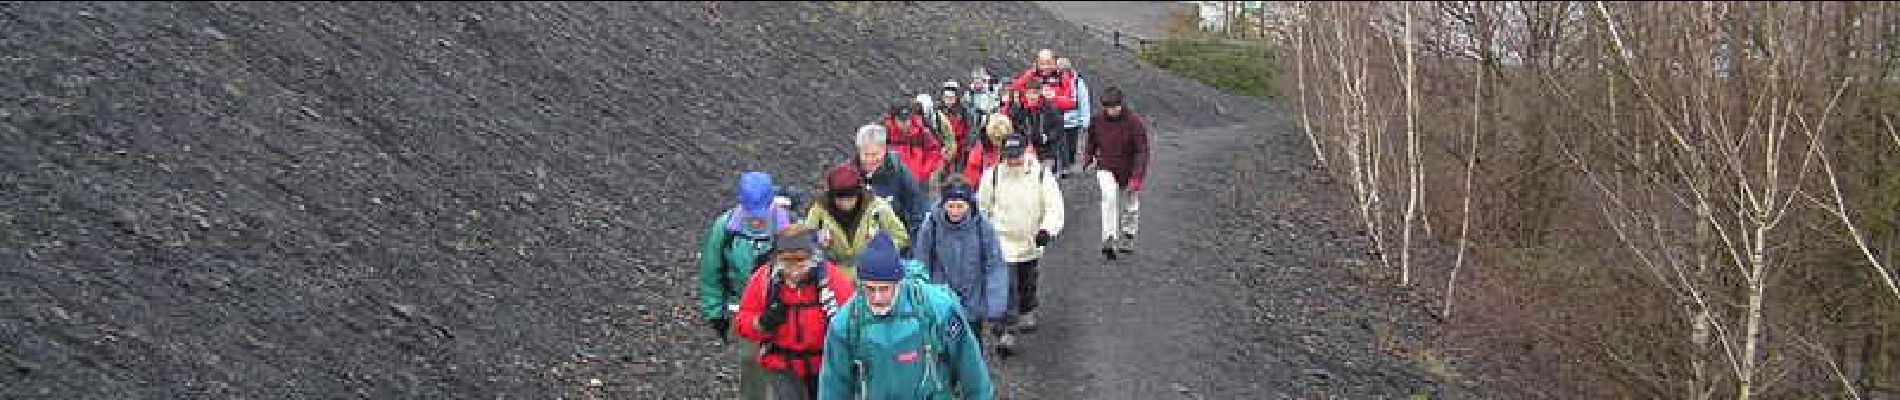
(1024, 295)
(1068, 142)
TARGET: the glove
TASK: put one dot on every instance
(773, 317)
(720, 326)
(1134, 185)
(1043, 238)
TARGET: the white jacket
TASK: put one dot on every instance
(1019, 202)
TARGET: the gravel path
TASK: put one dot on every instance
(1247, 283)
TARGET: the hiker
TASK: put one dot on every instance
(900, 339)
(786, 309)
(987, 152)
(889, 178)
(1118, 152)
(847, 215)
(955, 120)
(737, 241)
(1047, 71)
(917, 147)
(1074, 121)
(1023, 203)
(981, 93)
(1040, 121)
(960, 249)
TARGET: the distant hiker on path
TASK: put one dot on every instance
(1118, 151)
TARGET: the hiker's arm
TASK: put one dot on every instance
(1089, 149)
(712, 260)
(947, 134)
(972, 373)
(751, 305)
(995, 275)
(984, 199)
(895, 226)
(1139, 143)
(921, 243)
(837, 377)
(1082, 101)
(1051, 205)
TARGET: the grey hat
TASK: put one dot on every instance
(795, 240)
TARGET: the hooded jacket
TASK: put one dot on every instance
(727, 254)
(919, 147)
(967, 257)
(843, 247)
(1019, 202)
(796, 346)
(899, 188)
(922, 349)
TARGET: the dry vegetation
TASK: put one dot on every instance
(1647, 200)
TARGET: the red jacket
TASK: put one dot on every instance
(982, 156)
(917, 147)
(798, 345)
(1065, 89)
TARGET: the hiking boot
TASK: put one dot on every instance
(1109, 252)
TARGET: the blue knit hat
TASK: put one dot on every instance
(756, 192)
(879, 261)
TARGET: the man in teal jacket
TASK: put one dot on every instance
(901, 339)
(736, 243)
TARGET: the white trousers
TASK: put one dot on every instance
(1121, 211)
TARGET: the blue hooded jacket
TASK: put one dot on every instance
(967, 257)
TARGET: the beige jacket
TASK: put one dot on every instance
(1019, 202)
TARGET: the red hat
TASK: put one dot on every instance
(845, 176)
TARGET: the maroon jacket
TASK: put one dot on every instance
(1119, 146)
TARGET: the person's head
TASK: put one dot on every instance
(1045, 59)
(979, 79)
(1113, 103)
(952, 93)
(793, 251)
(1015, 149)
(880, 273)
(999, 128)
(957, 199)
(844, 186)
(755, 197)
(921, 104)
(871, 147)
(1032, 92)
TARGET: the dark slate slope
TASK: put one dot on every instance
(434, 199)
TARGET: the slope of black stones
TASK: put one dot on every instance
(440, 200)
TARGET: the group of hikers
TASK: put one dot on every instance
(923, 248)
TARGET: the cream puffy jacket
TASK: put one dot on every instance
(1019, 202)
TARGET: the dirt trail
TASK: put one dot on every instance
(1243, 286)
